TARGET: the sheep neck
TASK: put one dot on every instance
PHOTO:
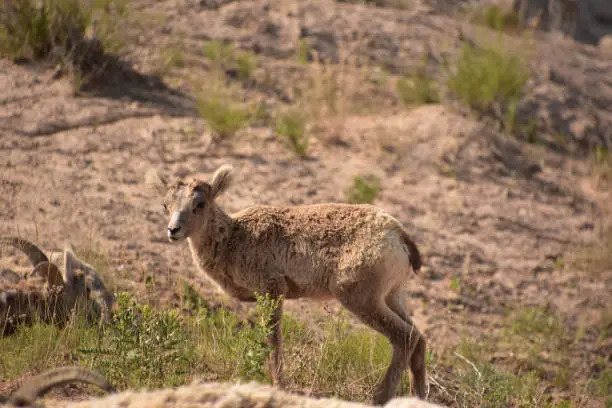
(207, 246)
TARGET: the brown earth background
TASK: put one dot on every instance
(502, 223)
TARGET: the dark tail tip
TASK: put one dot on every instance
(415, 255)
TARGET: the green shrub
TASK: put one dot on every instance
(143, 347)
(292, 126)
(225, 57)
(497, 19)
(489, 81)
(417, 90)
(57, 29)
(245, 64)
(224, 117)
(303, 52)
(363, 190)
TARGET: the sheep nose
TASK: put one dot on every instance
(173, 231)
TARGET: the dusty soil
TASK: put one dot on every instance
(497, 212)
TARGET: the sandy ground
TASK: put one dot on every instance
(72, 169)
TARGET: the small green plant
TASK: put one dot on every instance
(303, 52)
(259, 346)
(143, 347)
(191, 299)
(223, 117)
(292, 126)
(417, 89)
(489, 82)
(218, 51)
(363, 190)
(225, 57)
(497, 19)
(175, 58)
(455, 284)
(245, 64)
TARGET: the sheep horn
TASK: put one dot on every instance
(34, 254)
(42, 383)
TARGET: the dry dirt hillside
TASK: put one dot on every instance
(497, 163)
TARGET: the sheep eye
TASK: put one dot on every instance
(165, 207)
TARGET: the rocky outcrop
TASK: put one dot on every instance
(586, 21)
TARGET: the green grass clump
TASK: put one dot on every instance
(482, 384)
(218, 51)
(497, 19)
(302, 53)
(224, 117)
(292, 127)
(143, 347)
(601, 386)
(345, 353)
(363, 190)
(489, 81)
(38, 347)
(57, 29)
(245, 64)
(417, 90)
(225, 57)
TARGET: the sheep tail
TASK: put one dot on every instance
(415, 255)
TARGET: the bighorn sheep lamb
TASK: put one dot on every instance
(358, 254)
(48, 292)
(37, 386)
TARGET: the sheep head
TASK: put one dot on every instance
(190, 206)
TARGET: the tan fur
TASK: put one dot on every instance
(200, 394)
(48, 293)
(358, 254)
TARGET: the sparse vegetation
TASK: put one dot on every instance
(489, 82)
(155, 348)
(418, 88)
(496, 18)
(218, 51)
(303, 51)
(480, 383)
(346, 105)
(363, 190)
(226, 58)
(596, 258)
(223, 116)
(292, 127)
(245, 64)
(74, 33)
(143, 347)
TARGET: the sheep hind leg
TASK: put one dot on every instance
(418, 380)
(376, 314)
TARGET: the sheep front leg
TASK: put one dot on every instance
(275, 359)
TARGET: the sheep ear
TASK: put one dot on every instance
(154, 180)
(70, 263)
(221, 180)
